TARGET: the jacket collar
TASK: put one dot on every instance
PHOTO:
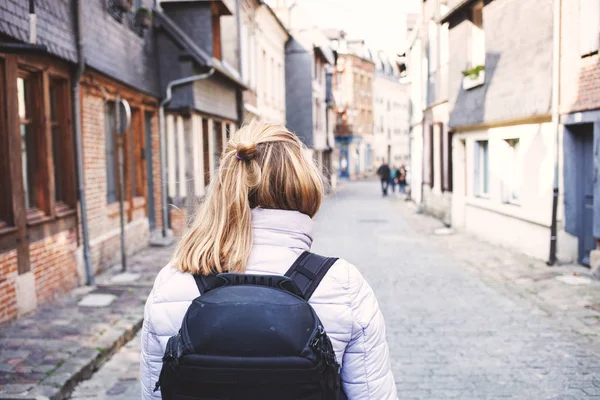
(282, 228)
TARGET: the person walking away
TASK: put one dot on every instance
(393, 178)
(384, 176)
(402, 180)
(242, 325)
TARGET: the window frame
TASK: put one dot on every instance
(482, 169)
(511, 184)
(27, 226)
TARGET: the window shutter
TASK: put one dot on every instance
(589, 26)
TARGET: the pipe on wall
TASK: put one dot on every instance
(162, 133)
(76, 88)
(555, 125)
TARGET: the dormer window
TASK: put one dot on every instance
(217, 10)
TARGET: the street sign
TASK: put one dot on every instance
(124, 113)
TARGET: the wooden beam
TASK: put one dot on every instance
(16, 169)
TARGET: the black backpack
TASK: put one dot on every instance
(253, 337)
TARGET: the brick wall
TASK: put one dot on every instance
(54, 268)
(104, 218)
(8, 292)
(580, 77)
(53, 264)
(178, 221)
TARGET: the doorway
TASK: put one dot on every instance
(584, 139)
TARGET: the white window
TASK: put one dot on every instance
(511, 181)
(589, 27)
(265, 75)
(244, 53)
(477, 43)
(252, 62)
(433, 46)
(481, 187)
(272, 84)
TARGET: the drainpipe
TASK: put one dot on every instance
(87, 258)
(555, 124)
(32, 23)
(239, 93)
(163, 129)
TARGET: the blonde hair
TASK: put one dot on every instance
(264, 165)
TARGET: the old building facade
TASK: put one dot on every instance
(390, 114)
(49, 242)
(437, 157)
(503, 141)
(580, 116)
(353, 76)
(203, 113)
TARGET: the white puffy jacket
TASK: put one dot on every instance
(344, 302)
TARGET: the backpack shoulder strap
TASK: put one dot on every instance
(204, 282)
(308, 271)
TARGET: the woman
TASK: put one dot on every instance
(257, 219)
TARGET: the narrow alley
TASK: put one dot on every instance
(451, 335)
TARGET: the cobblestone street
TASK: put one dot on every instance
(452, 333)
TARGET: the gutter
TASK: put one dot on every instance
(76, 88)
(555, 125)
(162, 127)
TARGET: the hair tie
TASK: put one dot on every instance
(238, 156)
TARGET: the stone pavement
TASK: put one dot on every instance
(465, 320)
(452, 333)
(46, 354)
(118, 379)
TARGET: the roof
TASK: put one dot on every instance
(326, 53)
(199, 55)
(275, 16)
(454, 10)
(223, 8)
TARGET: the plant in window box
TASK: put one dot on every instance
(473, 72)
(123, 5)
(143, 17)
(473, 77)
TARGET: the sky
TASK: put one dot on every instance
(380, 23)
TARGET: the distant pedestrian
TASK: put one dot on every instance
(394, 178)
(384, 176)
(402, 179)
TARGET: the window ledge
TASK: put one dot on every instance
(469, 83)
(38, 220)
(139, 202)
(5, 229)
(114, 209)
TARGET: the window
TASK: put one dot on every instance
(216, 32)
(272, 82)
(6, 193)
(33, 140)
(477, 43)
(511, 181)
(265, 75)
(244, 54)
(218, 147)
(433, 46)
(589, 26)
(110, 140)
(61, 143)
(481, 168)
